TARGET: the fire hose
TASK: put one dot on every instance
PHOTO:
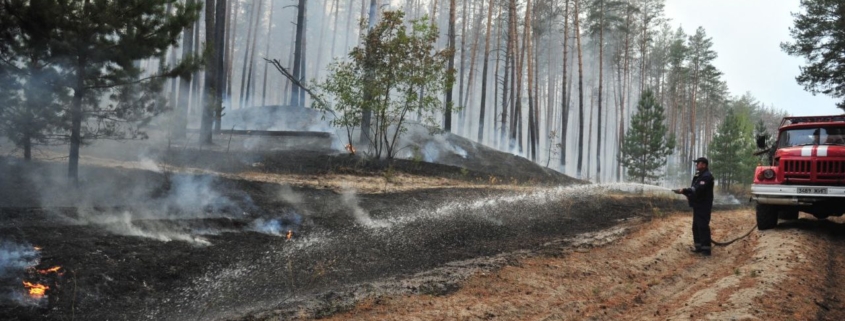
(723, 244)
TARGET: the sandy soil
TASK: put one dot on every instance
(647, 273)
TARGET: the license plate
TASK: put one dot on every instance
(812, 191)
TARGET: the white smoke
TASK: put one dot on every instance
(15, 258)
(350, 200)
(123, 224)
(272, 227)
(288, 195)
(726, 199)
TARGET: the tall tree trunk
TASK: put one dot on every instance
(551, 93)
(503, 131)
(601, 83)
(473, 51)
(367, 115)
(298, 52)
(580, 91)
(532, 119)
(625, 92)
(182, 107)
(564, 101)
(644, 47)
(196, 79)
(231, 24)
(267, 54)
(496, 76)
(620, 117)
(209, 107)
(220, 61)
(447, 114)
(590, 131)
(483, 106)
(253, 12)
(288, 85)
(320, 42)
(250, 84)
(304, 62)
(171, 59)
(76, 114)
(463, 66)
(516, 78)
(334, 29)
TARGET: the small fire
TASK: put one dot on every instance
(54, 269)
(36, 291)
(350, 149)
(290, 234)
(37, 248)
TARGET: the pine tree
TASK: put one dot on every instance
(700, 55)
(819, 39)
(731, 151)
(33, 95)
(646, 143)
(98, 62)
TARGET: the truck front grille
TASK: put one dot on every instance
(830, 169)
(797, 168)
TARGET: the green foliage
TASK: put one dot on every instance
(29, 77)
(819, 39)
(395, 72)
(101, 41)
(89, 49)
(646, 143)
(731, 151)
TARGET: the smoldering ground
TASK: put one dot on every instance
(248, 264)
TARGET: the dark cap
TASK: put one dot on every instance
(702, 160)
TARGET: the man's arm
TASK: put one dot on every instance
(703, 186)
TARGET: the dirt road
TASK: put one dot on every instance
(645, 272)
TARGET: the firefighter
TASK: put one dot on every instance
(700, 197)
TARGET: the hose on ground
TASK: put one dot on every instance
(723, 244)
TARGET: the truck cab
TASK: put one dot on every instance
(805, 171)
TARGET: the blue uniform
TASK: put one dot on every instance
(700, 196)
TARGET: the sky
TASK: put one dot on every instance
(747, 35)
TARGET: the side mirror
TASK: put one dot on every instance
(761, 142)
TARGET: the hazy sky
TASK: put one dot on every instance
(747, 35)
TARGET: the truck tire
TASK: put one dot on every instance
(767, 217)
(787, 213)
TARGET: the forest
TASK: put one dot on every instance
(554, 81)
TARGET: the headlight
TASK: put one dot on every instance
(768, 174)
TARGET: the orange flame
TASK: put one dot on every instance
(36, 291)
(350, 149)
(290, 234)
(54, 269)
(37, 248)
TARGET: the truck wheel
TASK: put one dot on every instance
(767, 217)
(787, 213)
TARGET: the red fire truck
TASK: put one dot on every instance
(805, 171)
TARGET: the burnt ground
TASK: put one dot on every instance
(129, 246)
(644, 271)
